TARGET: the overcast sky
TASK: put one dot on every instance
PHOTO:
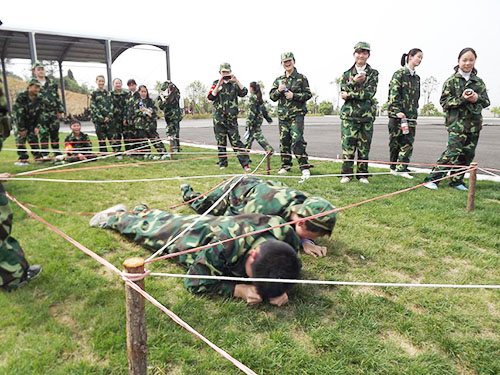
(251, 35)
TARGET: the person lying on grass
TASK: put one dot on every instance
(253, 195)
(270, 254)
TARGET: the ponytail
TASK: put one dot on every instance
(412, 52)
(404, 59)
(255, 86)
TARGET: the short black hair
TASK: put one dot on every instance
(131, 82)
(362, 50)
(321, 231)
(74, 121)
(276, 260)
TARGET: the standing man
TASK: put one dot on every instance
(168, 101)
(101, 114)
(28, 114)
(224, 93)
(52, 110)
(358, 87)
(291, 91)
(119, 100)
(128, 121)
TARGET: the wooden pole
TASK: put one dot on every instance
(136, 321)
(268, 160)
(472, 187)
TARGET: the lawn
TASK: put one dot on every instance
(71, 320)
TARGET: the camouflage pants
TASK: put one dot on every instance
(148, 134)
(356, 136)
(117, 123)
(49, 135)
(128, 134)
(292, 140)
(13, 265)
(202, 204)
(255, 132)
(173, 130)
(400, 145)
(224, 129)
(33, 141)
(107, 131)
(460, 150)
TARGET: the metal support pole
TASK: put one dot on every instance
(63, 95)
(136, 321)
(167, 55)
(472, 187)
(109, 62)
(6, 85)
(32, 45)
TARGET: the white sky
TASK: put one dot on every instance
(252, 34)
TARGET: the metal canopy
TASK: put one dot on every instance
(52, 46)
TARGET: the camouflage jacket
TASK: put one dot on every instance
(227, 259)
(256, 112)
(130, 105)
(404, 93)
(296, 83)
(27, 112)
(101, 106)
(119, 101)
(4, 116)
(226, 101)
(461, 115)
(170, 107)
(359, 105)
(5, 217)
(73, 142)
(49, 93)
(141, 119)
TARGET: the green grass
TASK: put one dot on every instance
(72, 319)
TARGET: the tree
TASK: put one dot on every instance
(312, 105)
(430, 109)
(384, 107)
(196, 93)
(495, 111)
(326, 108)
(429, 86)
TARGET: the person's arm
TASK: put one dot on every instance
(450, 98)
(368, 89)
(482, 96)
(214, 90)
(305, 94)
(95, 114)
(252, 108)
(59, 105)
(275, 94)
(265, 113)
(19, 115)
(394, 100)
(242, 90)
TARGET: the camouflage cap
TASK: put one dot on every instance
(317, 205)
(36, 64)
(287, 56)
(362, 45)
(165, 85)
(34, 81)
(225, 67)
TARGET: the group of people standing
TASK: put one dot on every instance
(463, 98)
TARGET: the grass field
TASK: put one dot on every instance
(71, 320)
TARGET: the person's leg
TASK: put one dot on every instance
(262, 140)
(466, 157)
(394, 135)
(221, 139)
(349, 134)
(238, 146)
(21, 147)
(450, 156)
(113, 136)
(44, 139)
(202, 204)
(249, 132)
(298, 143)
(154, 137)
(405, 149)
(177, 134)
(364, 144)
(54, 136)
(141, 134)
(101, 136)
(34, 142)
(285, 143)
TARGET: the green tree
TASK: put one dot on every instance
(430, 109)
(196, 93)
(312, 105)
(495, 111)
(326, 108)
(384, 107)
(429, 86)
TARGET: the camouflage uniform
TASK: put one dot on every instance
(129, 130)
(225, 119)
(253, 195)
(101, 107)
(256, 113)
(27, 115)
(73, 144)
(357, 115)
(119, 114)
(404, 93)
(13, 264)
(52, 105)
(291, 118)
(145, 126)
(152, 229)
(463, 123)
(173, 115)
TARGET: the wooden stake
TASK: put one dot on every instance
(136, 321)
(472, 187)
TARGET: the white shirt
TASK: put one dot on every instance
(360, 69)
(465, 75)
(412, 71)
(42, 82)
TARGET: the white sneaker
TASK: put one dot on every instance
(431, 185)
(283, 171)
(100, 219)
(156, 157)
(165, 156)
(21, 163)
(345, 180)
(393, 171)
(406, 175)
(306, 174)
(364, 180)
(119, 157)
(222, 167)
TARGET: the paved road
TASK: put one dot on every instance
(323, 138)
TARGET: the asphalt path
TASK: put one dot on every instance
(323, 138)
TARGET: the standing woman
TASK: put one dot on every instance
(119, 98)
(168, 101)
(358, 87)
(101, 114)
(256, 111)
(463, 98)
(404, 93)
(145, 122)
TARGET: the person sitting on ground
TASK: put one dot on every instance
(269, 254)
(253, 195)
(76, 142)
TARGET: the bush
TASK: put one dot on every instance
(326, 108)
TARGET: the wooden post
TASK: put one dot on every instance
(268, 160)
(472, 187)
(136, 321)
